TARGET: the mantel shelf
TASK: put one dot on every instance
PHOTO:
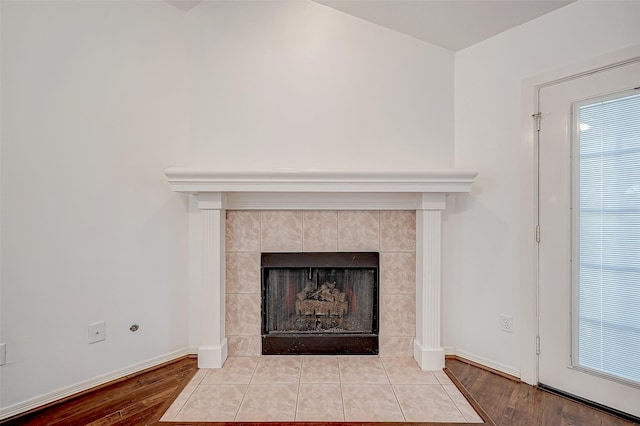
(194, 181)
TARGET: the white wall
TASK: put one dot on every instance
(493, 134)
(295, 84)
(94, 107)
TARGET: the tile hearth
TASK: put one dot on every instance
(321, 388)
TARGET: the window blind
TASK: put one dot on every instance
(608, 248)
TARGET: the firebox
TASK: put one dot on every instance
(320, 303)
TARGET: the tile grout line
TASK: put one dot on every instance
(393, 389)
(247, 389)
(175, 416)
(344, 410)
(456, 404)
(344, 415)
(295, 408)
(447, 393)
(380, 232)
(338, 230)
(260, 230)
(303, 227)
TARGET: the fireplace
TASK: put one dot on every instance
(215, 192)
(320, 303)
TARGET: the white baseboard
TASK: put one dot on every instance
(510, 370)
(449, 350)
(56, 395)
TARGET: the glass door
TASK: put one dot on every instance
(589, 249)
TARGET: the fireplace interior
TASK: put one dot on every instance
(320, 303)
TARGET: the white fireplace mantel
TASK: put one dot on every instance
(422, 191)
(195, 181)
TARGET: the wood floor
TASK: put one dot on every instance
(143, 398)
(510, 403)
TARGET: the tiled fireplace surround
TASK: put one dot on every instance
(397, 214)
(392, 233)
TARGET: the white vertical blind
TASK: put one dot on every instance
(608, 226)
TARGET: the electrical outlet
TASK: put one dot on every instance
(3, 354)
(506, 323)
(97, 332)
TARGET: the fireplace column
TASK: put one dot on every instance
(427, 349)
(213, 350)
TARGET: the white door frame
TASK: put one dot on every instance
(529, 199)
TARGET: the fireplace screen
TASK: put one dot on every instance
(320, 303)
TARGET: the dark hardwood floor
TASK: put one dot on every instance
(137, 400)
(511, 403)
(142, 399)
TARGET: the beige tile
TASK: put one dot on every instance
(278, 369)
(319, 402)
(358, 230)
(368, 402)
(397, 315)
(213, 396)
(243, 231)
(212, 403)
(398, 273)
(243, 272)
(320, 369)
(244, 345)
(320, 231)
(442, 377)
(427, 403)
(236, 370)
(184, 396)
(405, 371)
(243, 314)
(197, 378)
(281, 231)
(362, 369)
(269, 402)
(463, 405)
(396, 346)
(182, 399)
(398, 231)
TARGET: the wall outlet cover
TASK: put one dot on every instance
(506, 323)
